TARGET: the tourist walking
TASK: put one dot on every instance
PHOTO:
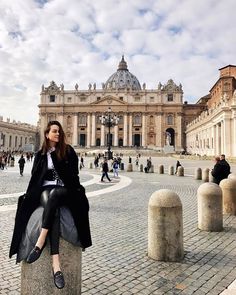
(21, 163)
(105, 170)
(177, 166)
(115, 167)
(221, 169)
(54, 183)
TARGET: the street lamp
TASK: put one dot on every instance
(109, 120)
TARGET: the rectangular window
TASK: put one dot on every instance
(170, 97)
(137, 98)
(52, 98)
(121, 98)
(69, 99)
(151, 99)
(98, 98)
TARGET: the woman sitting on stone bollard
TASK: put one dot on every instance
(54, 184)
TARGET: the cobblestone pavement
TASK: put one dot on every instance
(117, 263)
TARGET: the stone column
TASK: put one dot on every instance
(165, 226)
(210, 215)
(159, 142)
(42, 127)
(217, 149)
(179, 128)
(227, 136)
(130, 130)
(88, 130)
(75, 130)
(60, 118)
(116, 128)
(222, 138)
(93, 141)
(37, 278)
(233, 144)
(125, 128)
(102, 135)
(144, 141)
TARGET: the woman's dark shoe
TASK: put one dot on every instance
(34, 254)
(59, 279)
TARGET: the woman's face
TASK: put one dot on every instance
(53, 135)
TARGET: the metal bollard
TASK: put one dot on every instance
(205, 174)
(210, 215)
(171, 170)
(180, 171)
(165, 226)
(37, 278)
(129, 167)
(198, 174)
(161, 169)
(141, 168)
(228, 187)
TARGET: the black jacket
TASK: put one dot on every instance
(220, 171)
(67, 169)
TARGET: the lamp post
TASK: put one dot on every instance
(109, 120)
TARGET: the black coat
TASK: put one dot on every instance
(67, 169)
(220, 171)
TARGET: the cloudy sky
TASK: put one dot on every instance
(81, 41)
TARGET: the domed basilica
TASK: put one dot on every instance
(131, 114)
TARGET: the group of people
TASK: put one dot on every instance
(221, 169)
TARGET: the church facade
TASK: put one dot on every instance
(148, 118)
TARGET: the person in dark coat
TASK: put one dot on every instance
(221, 169)
(105, 170)
(177, 166)
(54, 183)
(21, 163)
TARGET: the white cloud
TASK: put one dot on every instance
(82, 42)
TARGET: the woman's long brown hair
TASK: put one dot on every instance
(60, 146)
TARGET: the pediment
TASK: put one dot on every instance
(110, 100)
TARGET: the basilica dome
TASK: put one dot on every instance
(122, 78)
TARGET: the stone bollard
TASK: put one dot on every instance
(210, 215)
(37, 278)
(161, 169)
(228, 187)
(198, 174)
(180, 171)
(122, 166)
(129, 167)
(141, 168)
(151, 170)
(12, 163)
(232, 176)
(205, 174)
(90, 165)
(165, 226)
(211, 178)
(171, 170)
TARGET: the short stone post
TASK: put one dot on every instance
(141, 167)
(90, 165)
(122, 166)
(180, 171)
(198, 174)
(151, 170)
(161, 169)
(37, 278)
(165, 226)
(171, 170)
(205, 174)
(129, 167)
(232, 176)
(228, 187)
(210, 215)
(211, 177)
